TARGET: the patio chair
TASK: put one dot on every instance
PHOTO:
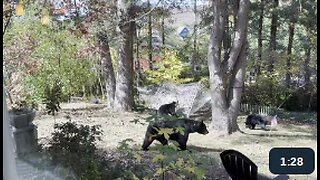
(238, 166)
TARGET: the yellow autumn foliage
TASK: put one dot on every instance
(169, 69)
(45, 17)
(45, 20)
(19, 10)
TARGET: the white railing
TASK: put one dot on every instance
(263, 110)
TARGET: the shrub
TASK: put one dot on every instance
(165, 162)
(270, 92)
(169, 69)
(302, 99)
(45, 54)
(72, 146)
(266, 91)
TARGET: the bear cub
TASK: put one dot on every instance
(187, 125)
(254, 119)
(168, 109)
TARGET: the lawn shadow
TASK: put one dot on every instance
(301, 136)
(291, 127)
(204, 149)
(304, 129)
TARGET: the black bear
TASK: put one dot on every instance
(254, 119)
(168, 109)
(181, 129)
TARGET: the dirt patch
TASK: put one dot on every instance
(255, 144)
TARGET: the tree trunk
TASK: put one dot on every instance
(107, 68)
(218, 102)
(307, 73)
(235, 13)
(150, 48)
(194, 53)
(226, 41)
(273, 36)
(137, 62)
(225, 108)
(289, 50)
(260, 29)
(236, 88)
(162, 30)
(124, 100)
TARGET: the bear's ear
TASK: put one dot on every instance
(201, 122)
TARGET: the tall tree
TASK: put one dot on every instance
(124, 100)
(150, 48)
(307, 18)
(194, 53)
(163, 35)
(260, 29)
(289, 52)
(137, 67)
(101, 18)
(273, 35)
(292, 12)
(227, 38)
(107, 68)
(307, 73)
(226, 84)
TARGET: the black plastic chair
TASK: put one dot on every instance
(238, 166)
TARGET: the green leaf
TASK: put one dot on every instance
(158, 157)
(159, 172)
(166, 132)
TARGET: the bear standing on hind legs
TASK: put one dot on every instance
(188, 126)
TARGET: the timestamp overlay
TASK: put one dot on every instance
(291, 160)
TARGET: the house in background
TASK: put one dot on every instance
(181, 27)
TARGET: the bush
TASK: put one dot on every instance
(266, 91)
(169, 69)
(46, 54)
(166, 162)
(72, 146)
(302, 99)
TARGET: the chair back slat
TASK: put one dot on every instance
(238, 166)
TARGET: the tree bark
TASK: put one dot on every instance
(307, 73)
(194, 53)
(273, 36)
(218, 102)
(260, 29)
(124, 100)
(235, 13)
(150, 48)
(162, 30)
(107, 68)
(225, 106)
(137, 62)
(227, 39)
(289, 50)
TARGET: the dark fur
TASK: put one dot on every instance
(254, 119)
(168, 109)
(189, 126)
